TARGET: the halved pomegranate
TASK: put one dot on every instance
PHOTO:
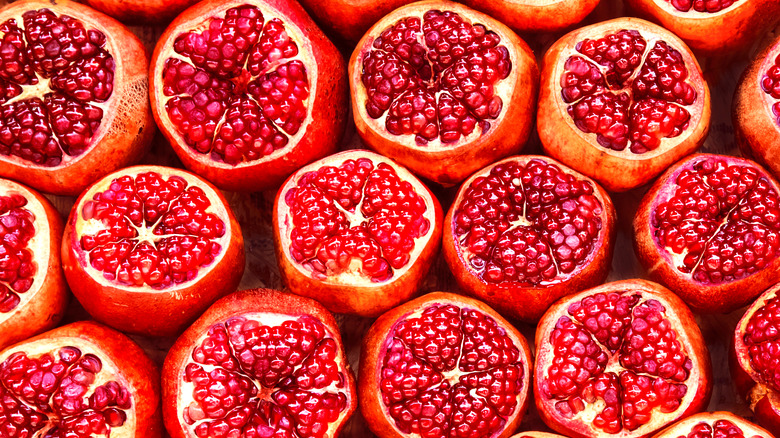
(536, 15)
(73, 95)
(443, 89)
(33, 293)
(709, 229)
(259, 363)
(148, 248)
(713, 425)
(350, 19)
(355, 231)
(248, 91)
(527, 230)
(77, 381)
(444, 365)
(621, 101)
(756, 110)
(623, 359)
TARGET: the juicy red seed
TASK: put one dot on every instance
(770, 83)
(721, 428)
(711, 6)
(762, 337)
(17, 267)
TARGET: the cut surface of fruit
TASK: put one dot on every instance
(710, 6)
(712, 425)
(770, 83)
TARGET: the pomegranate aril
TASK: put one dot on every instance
(762, 337)
(87, 80)
(653, 120)
(621, 53)
(770, 83)
(274, 45)
(74, 123)
(25, 132)
(282, 95)
(663, 76)
(710, 6)
(17, 267)
(414, 113)
(16, 66)
(436, 337)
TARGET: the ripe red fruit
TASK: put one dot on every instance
(259, 363)
(350, 19)
(441, 109)
(273, 98)
(622, 359)
(708, 229)
(712, 425)
(527, 230)
(142, 12)
(443, 365)
(356, 232)
(623, 121)
(537, 15)
(148, 248)
(73, 105)
(534, 434)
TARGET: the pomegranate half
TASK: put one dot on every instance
(443, 365)
(714, 425)
(527, 230)
(259, 363)
(709, 229)
(443, 89)
(536, 15)
(623, 359)
(248, 91)
(148, 248)
(356, 231)
(621, 101)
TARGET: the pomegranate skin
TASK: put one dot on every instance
(685, 426)
(142, 12)
(534, 15)
(350, 19)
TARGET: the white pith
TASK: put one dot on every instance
(667, 6)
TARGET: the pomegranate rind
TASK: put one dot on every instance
(375, 344)
(126, 130)
(451, 163)
(683, 427)
(525, 302)
(326, 117)
(122, 358)
(145, 310)
(535, 15)
(350, 19)
(699, 380)
(252, 301)
(361, 297)
(141, 12)
(659, 263)
(617, 171)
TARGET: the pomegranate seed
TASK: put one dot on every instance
(17, 267)
(710, 6)
(771, 86)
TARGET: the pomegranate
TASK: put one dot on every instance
(73, 105)
(713, 425)
(621, 101)
(443, 365)
(148, 248)
(443, 89)
(527, 230)
(623, 359)
(709, 229)
(355, 231)
(536, 15)
(248, 91)
(350, 19)
(142, 12)
(78, 381)
(533, 434)
(259, 363)
(756, 111)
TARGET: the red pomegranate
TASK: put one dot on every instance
(527, 230)
(248, 91)
(259, 363)
(534, 434)
(142, 12)
(148, 248)
(709, 229)
(621, 101)
(443, 365)
(350, 19)
(714, 425)
(73, 95)
(623, 360)
(33, 293)
(79, 380)
(355, 231)
(443, 89)
(756, 110)
(536, 15)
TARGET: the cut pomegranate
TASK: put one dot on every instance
(534, 434)
(621, 101)
(33, 293)
(537, 15)
(623, 359)
(356, 231)
(713, 425)
(148, 248)
(443, 365)
(443, 89)
(79, 381)
(709, 229)
(525, 231)
(350, 19)
(73, 95)
(248, 91)
(259, 363)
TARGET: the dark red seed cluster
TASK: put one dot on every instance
(17, 267)
(710, 6)
(721, 428)
(771, 85)
(762, 337)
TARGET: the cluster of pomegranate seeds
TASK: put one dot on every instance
(450, 372)
(710, 6)
(616, 353)
(721, 428)
(627, 95)
(434, 78)
(721, 223)
(771, 85)
(238, 91)
(150, 230)
(17, 267)
(54, 73)
(762, 338)
(357, 217)
(255, 380)
(531, 224)
(55, 395)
